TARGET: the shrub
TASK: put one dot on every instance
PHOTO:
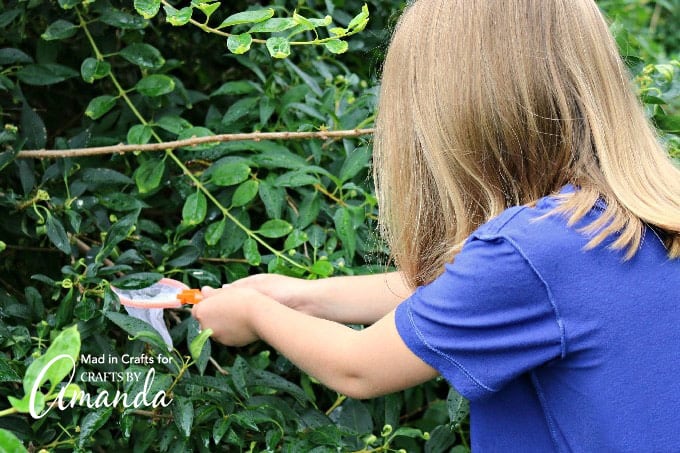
(101, 73)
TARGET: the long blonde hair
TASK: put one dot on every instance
(488, 104)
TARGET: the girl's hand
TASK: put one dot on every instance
(346, 299)
(288, 291)
(228, 312)
(333, 353)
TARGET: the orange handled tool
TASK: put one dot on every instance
(190, 296)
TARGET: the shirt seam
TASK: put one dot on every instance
(549, 294)
(448, 358)
(546, 412)
(497, 228)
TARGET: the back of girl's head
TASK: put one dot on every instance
(488, 104)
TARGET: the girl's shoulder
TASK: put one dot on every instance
(538, 217)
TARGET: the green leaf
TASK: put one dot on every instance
(303, 22)
(207, 8)
(155, 85)
(309, 80)
(273, 25)
(173, 124)
(338, 31)
(308, 210)
(196, 346)
(239, 109)
(32, 128)
(214, 232)
(251, 253)
(235, 88)
(195, 209)
(273, 198)
(10, 443)
(458, 407)
(92, 69)
(274, 156)
(183, 414)
(66, 344)
(59, 29)
(278, 47)
(220, 428)
(296, 178)
(139, 134)
(668, 123)
(295, 239)
(354, 416)
(247, 17)
(336, 46)
(99, 176)
(322, 268)
(100, 106)
(324, 22)
(442, 438)
(122, 20)
(359, 22)
(92, 422)
(149, 174)
(344, 226)
(118, 232)
(230, 173)
(147, 8)
(275, 228)
(45, 74)
(184, 256)
(68, 4)
(239, 370)
(10, 56)
(239, 44)
(406, 431)
(177, 17)
(57, 234)
(357, 160)
(143, 55)
(137, 281)
(7, 373)
(244, 193)
(137, 329)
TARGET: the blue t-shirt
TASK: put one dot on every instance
(557, 348)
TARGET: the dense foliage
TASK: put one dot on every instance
(76, 74)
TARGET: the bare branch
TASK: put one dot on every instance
(255, 136)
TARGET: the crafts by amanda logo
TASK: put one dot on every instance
(71, 395)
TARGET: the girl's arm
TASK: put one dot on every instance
(349, 299)
(358, 363)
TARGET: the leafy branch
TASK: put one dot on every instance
(261, 21)
(205, 193)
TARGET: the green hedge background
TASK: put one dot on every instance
(77, 74)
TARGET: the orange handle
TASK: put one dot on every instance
(190, 296)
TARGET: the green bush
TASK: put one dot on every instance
(97, 73)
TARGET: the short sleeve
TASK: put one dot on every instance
(485, 321)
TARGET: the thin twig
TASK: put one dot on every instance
(217, 365)
(223, 260)
(23, 248)
(151, 414)
(221, 138)
(83, 247)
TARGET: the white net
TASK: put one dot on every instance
(158, 292)
(153, 316)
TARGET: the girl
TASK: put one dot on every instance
(535, 222)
